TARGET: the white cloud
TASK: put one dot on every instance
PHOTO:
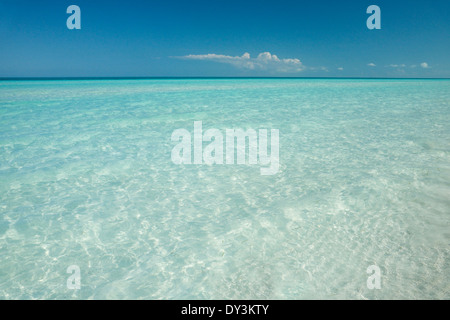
(397, 65)
(264, 61)
(340, 68)
(371, 64)
(424, 65)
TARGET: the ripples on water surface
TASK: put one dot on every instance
(86, 179)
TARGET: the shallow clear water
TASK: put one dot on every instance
(86, 179)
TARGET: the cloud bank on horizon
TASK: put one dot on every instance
(264, 61)
(423, 65)
(269, 62)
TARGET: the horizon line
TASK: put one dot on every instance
(213, 77)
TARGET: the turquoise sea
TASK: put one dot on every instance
(86, 179)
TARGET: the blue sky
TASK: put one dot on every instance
(225, 38)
